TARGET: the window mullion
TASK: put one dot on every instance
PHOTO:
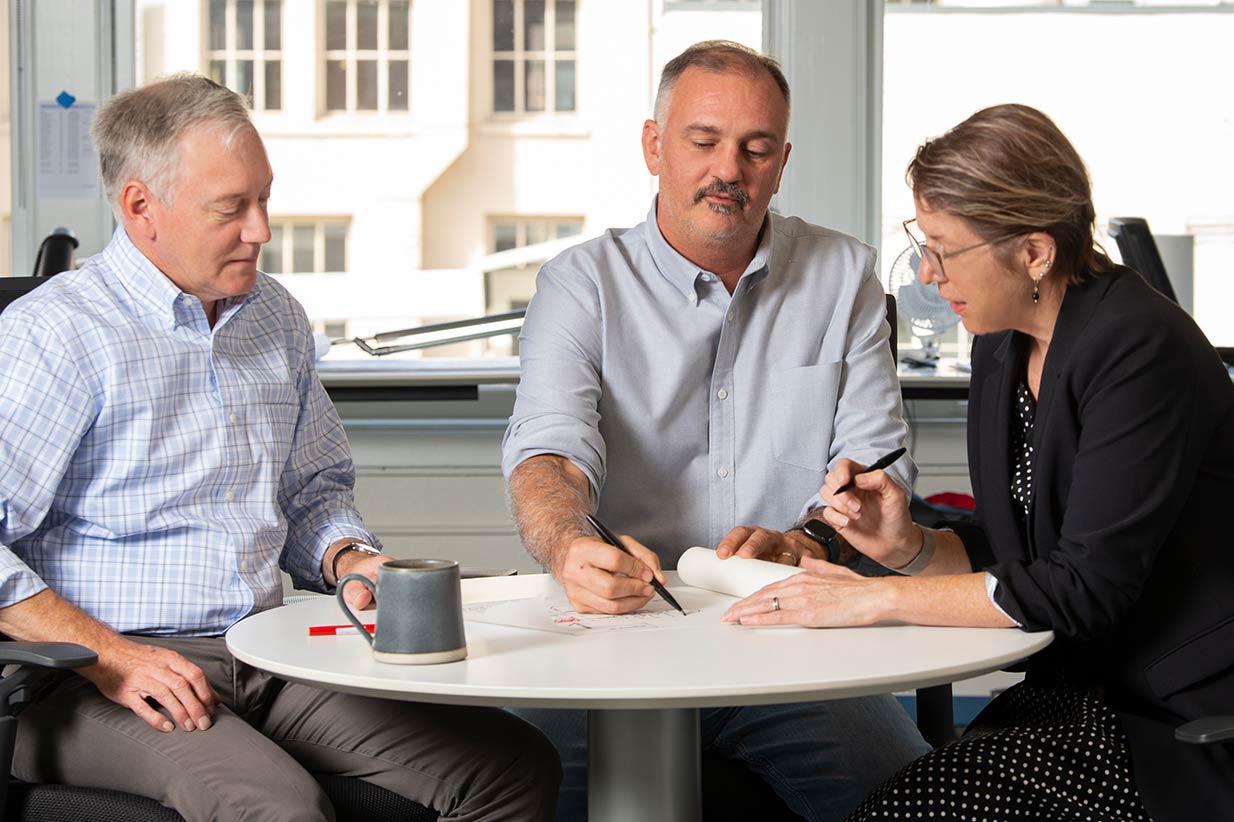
(350, 70)
(383, 56)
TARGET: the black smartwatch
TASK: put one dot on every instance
(824, 535)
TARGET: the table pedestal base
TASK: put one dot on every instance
(643, 765)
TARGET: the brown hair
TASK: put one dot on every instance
(1008, 171)
(717, 56)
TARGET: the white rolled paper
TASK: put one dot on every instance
(735, 576)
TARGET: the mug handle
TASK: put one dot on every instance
(352, 618)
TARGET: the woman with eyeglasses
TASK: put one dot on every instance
(1101, 451)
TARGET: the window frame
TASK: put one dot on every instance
(352, 55)
(288, 224)
(258, 55)
(520, 55)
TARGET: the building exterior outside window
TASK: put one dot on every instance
(244, 49)
(299, 246)
(367, 55)
(515, 232)
(534, 57)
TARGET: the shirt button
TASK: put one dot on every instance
(233, 419)
(723, 472)
(229, 495)
(244, 565)
(705, 278)
(722, 394)
(732, 315)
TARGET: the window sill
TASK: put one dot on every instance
(534, 125)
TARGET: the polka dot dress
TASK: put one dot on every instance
(1022, 452)
(1033, 753)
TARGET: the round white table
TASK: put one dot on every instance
(643, 689)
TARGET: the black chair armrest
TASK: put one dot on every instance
(46, 654)
(1206, 730)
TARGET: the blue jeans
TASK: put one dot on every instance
(821, 758)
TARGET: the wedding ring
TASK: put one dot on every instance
(788, 554)
(775, 603)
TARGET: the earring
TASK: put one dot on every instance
(1037, 282)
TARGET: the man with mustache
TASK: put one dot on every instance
(691, 379)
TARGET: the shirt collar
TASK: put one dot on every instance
(147, 283)
(684, 274)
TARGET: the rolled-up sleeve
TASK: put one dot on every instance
(557, 406)
(45, 409)
(869, 419)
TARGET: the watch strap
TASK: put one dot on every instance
(363, 548)
(824, 535)
(918, 563)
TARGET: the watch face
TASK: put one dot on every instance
(819, 530)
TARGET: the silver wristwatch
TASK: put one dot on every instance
(351, 546)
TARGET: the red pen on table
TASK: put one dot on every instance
(331, 630)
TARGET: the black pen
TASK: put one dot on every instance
(878, 465)
(609, 537)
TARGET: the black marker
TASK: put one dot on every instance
(878, 465)
(612, 540)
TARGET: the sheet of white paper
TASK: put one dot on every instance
(67, 165)
(711, 584)
(552, 612)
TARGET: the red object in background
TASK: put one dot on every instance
(953, 499)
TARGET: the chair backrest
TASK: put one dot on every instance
(1139, 251)
(893, 322)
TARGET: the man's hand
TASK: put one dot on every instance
(599, 579)
(358, 562)
(749, 542)
(129, 672)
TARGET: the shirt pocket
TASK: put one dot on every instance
(803, 407)
(275, 410)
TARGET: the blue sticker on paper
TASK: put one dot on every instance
(65, 99)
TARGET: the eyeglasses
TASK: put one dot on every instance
(934, 258)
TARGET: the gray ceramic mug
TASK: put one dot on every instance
(419, 611)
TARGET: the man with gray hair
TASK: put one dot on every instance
(692, 379)
(168, 448)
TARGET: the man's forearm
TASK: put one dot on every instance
(549, 500)
(48, 617)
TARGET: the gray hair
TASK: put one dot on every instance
(719, 56)
(138, 131)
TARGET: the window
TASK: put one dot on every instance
(1126, 119)
(515, 232)
(534, 61)
(305, 247)
(367, 64)
(244, 46)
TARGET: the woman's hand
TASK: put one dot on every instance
(872, 516)
(826, 596)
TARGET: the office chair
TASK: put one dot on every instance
(40, 664)
(1139, 252)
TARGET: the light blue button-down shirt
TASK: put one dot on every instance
(691, 411)
(158, 472)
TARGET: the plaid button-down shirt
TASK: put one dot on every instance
(153, 470)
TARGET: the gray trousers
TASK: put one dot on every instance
(254, 762)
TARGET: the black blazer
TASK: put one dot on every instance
(1129, 555)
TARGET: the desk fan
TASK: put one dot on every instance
(928, 315)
